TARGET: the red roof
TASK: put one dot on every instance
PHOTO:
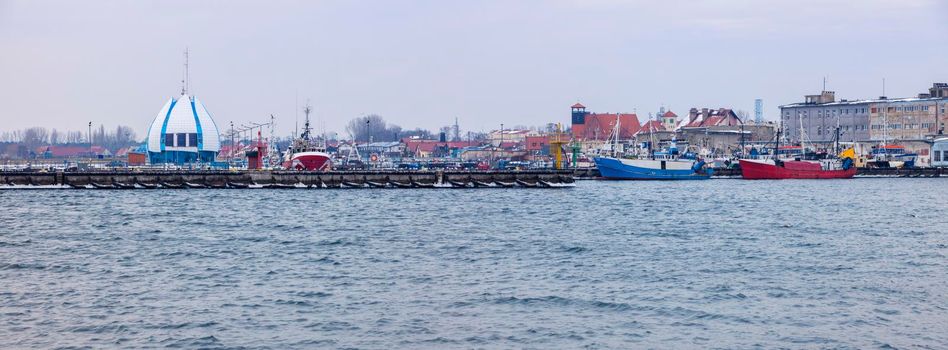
(651, 126)
(712, 117)
(578, 105)
(670, 114)
(598, 126)
(69, 151)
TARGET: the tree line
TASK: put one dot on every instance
(373, 127)
(121, 136)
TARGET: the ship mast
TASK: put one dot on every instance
(306, 110)
(777, 142)
(615, 135)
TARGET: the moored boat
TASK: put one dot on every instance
(305, 153)
(840, 166)
(667, 164)
(891, 156)
(769, 169)
(652, 169)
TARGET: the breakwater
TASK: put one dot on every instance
(180, 179)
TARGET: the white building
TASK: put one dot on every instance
(183, 132)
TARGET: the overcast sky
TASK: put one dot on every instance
(423, 63)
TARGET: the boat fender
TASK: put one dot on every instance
(698, 165)
(847, 163)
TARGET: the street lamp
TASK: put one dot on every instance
(367, 137)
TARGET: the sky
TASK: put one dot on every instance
(425, 63)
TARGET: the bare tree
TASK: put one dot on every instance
(372, 127)
(74, 137)
(35, 137)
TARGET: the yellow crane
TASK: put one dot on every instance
(557, 139)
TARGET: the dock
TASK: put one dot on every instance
(187, 179)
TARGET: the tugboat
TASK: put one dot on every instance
(665, 165)
(306, 154)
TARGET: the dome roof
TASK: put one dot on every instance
(190, 125)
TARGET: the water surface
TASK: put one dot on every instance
(705, 264)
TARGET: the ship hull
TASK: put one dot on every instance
(308, 161)
(762, 170)
(626, 169)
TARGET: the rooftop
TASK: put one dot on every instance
(866, 101)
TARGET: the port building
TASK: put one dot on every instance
(892, 119)
(912, 121)
(183, 132)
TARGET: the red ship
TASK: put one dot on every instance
(307, 154)
(754, 169)
(309, 161)
(839, 167)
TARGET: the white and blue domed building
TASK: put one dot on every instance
(183, 132)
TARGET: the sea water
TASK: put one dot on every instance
(705, 264)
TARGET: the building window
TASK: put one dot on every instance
(169, 140)
(192, 140)
(182, 138)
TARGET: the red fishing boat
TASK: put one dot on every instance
(768, 169)
(797, 167)
(306, 153)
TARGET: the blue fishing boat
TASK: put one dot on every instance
(668, 164)
(661, 167)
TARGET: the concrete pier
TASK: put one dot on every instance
(180, 179)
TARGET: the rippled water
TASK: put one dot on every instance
(704, 264)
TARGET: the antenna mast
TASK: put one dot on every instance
(185, 80)
(306, 110)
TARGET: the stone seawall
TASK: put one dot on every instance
(130, 179)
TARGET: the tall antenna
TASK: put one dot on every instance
(824, 83)
(184, 80)
(306, 109)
